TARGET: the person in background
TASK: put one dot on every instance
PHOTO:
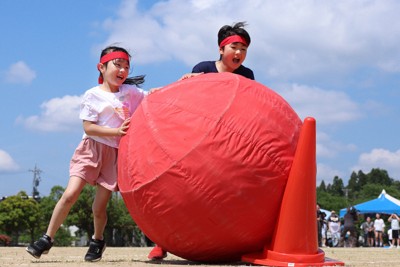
(319, 225)
(350, 219)
(379, 226)
(324, 229)
(367, 228)
(334, 228)
(394, 223)
(390, 237)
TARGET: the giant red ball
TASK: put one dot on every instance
(204, 165)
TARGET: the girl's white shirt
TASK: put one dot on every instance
(379, 224)
(109, 109)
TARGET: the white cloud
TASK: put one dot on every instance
(20, 73)
(58, 115)
(327, 107)
(289, 38)
(380, 158)
(326, 173)
(329, 148)
(7, 163)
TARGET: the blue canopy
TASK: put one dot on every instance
(385, 203)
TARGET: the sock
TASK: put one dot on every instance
(97, 239)
(48, 238)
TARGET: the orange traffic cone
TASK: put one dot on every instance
(295, 240)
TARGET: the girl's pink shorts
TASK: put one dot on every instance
(96, 163)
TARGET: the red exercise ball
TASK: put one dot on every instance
(205, 163)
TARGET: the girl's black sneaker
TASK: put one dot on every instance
(42, 246)
(96, 249)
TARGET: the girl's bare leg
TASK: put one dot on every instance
(99, 211)
(63, 206)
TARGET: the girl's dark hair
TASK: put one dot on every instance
(236, 29)
(136, 80)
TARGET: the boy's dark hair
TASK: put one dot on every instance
(136, 80)
(235, 29)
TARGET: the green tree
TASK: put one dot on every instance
(396, 185)
(354, 183)
(120, 226)
(362, 178)
(19, 214)
(322, 186)
(63, 237)
(330, 202)
(337, 187)
(379, 176)
(361, 187)
(368, 192)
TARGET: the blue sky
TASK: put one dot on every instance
(337, 61)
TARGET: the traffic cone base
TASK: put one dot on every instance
(297, 212)
(272, 258)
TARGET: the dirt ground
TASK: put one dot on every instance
(73, 257)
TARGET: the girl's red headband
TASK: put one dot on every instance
(114, 55)
(233, 39)
(111, 56)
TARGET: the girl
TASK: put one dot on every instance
(105, 111)
(379, 226)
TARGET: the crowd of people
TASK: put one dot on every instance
(354, 230)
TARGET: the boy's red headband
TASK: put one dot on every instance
(111, 56)
(233, 39)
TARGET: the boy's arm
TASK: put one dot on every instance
(190, 75)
